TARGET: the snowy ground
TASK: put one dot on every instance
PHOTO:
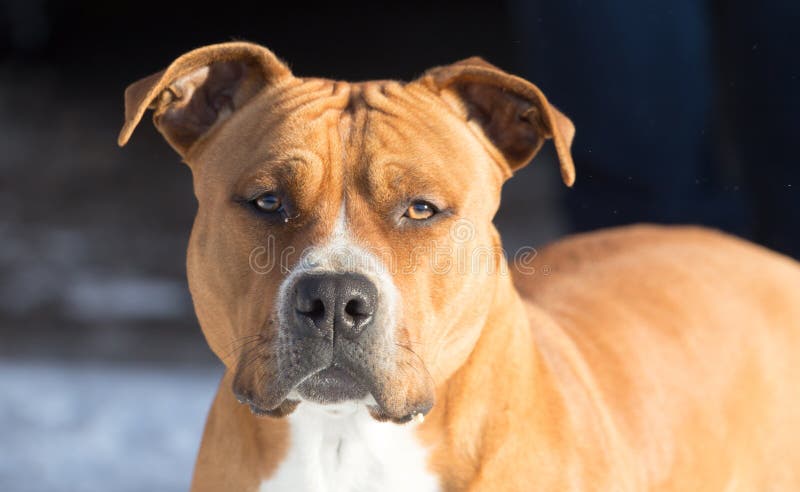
(100, 428)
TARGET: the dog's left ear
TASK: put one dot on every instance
(199, 90)
(513, 113)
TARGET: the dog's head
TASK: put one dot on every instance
(343, 248)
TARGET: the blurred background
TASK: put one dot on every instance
(686, 112)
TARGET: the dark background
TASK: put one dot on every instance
(686, 113)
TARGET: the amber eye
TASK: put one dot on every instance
(268, 202)
(420, 210)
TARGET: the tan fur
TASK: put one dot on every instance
(639, 358)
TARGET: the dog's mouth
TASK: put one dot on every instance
(273, 391)
(331, 385)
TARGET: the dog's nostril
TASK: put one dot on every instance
(315, 309)
(356, 308)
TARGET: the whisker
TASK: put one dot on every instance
(240, 343)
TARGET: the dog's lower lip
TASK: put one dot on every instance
(331, 385)
(285, 408)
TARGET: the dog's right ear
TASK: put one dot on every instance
(199, 90)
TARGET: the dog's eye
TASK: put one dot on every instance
(420, 210)
(268, 202)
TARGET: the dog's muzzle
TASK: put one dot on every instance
(335, 342)
(338, 308)
(327, 346)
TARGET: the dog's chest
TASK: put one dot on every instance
(350, 453)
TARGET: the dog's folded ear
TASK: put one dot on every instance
(200, 89)
(513, 113)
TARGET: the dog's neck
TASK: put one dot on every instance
(511, 397)
(504, 380)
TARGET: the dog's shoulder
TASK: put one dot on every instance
(616, 310)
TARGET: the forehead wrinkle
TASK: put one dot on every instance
(379, 96)
(400, 109)
(443, 132)
(404, 164)
(354, 128)
(310, 95)
(428, 112)
(277, 123)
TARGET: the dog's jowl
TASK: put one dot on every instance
(344, 267)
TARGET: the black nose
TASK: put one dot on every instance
(328, 303)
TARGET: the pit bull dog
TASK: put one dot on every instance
(344, 266)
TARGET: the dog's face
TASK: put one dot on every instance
(343, 248)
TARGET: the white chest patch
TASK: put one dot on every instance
(340, 448)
